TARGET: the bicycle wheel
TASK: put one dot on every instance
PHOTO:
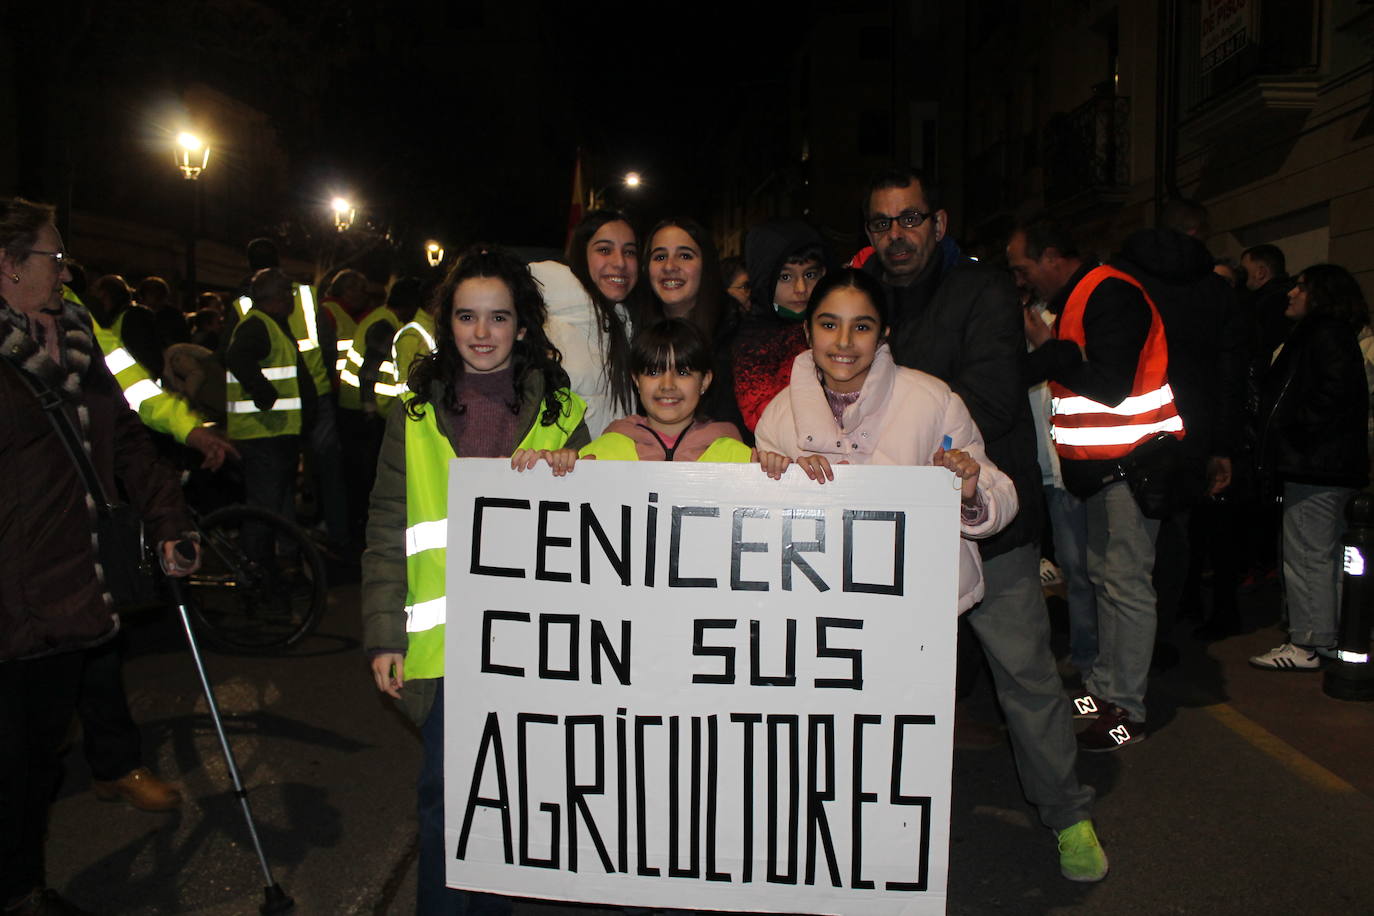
(263, 592)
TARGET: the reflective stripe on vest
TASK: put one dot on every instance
(413, 340)
(283, 418)
(304, 328)
(350, 385)
(1084, 429)
(157, 409)
(425, 334)
(344, 328)
(428, 454)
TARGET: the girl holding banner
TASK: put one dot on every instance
(492, 388)
(670, 362)
(847, 390)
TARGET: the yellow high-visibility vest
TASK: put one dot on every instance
(344, 328)
(159, 410)
(412, 341)
(428, 454)
(304, 325)
(283, 418)
(620, 447)
(350, 385)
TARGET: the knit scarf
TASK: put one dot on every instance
(20, 347)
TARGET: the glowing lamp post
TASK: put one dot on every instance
(631, 180)
(192, 156)
(434, 253)
(344, 213)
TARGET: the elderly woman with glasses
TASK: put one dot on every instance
(54, 603)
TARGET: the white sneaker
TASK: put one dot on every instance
(1288, 657)
(1050, 575)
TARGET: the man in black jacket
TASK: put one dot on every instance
(1267, 280)
(1208, 352)
(959, 321)
(1102, 349)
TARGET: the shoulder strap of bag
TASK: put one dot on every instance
(51, 402)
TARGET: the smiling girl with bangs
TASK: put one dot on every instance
(671, 366)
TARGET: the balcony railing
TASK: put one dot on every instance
(1088, 150)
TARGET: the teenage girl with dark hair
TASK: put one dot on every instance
(685, 282)
(684, 275)
(590, 302)
(492, 388)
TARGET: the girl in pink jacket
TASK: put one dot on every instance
(849, 403)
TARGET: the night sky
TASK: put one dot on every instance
(454, 120)
(490, 148)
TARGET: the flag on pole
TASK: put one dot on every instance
(575, 208)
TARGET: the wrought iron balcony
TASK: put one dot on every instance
(1087, 151)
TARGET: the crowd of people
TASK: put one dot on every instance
(1120, 427)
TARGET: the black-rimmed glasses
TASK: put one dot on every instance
(907, 219)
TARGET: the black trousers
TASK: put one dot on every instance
(37, 699)
(269, 482)
(361, 439)
(109, 737)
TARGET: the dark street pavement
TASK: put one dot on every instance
(1253, 793)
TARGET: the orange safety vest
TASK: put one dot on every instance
(1084, 429)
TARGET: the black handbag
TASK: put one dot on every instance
(128, 564)
(1163, 477)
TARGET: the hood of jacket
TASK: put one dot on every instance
(766, 250)
(1169, 255)
(860, 433)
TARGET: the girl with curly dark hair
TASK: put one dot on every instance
(492, 388)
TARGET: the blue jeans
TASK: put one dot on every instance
(432, 896)
(1121, 555)
(1313, 522)
(1069, 521)
(1014, 628)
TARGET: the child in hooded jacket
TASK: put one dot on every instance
(849, 403)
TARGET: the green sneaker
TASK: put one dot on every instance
(1080, 854)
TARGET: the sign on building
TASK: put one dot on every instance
(1227, 27)
(677, 685)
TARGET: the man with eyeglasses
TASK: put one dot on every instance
(960, 321)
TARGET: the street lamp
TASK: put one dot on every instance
(191, 156)
(344, 212)
(434, 253)
(631, 180)
(189, 149)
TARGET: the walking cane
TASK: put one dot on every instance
(275, 899)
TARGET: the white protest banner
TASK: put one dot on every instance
(688, 685)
